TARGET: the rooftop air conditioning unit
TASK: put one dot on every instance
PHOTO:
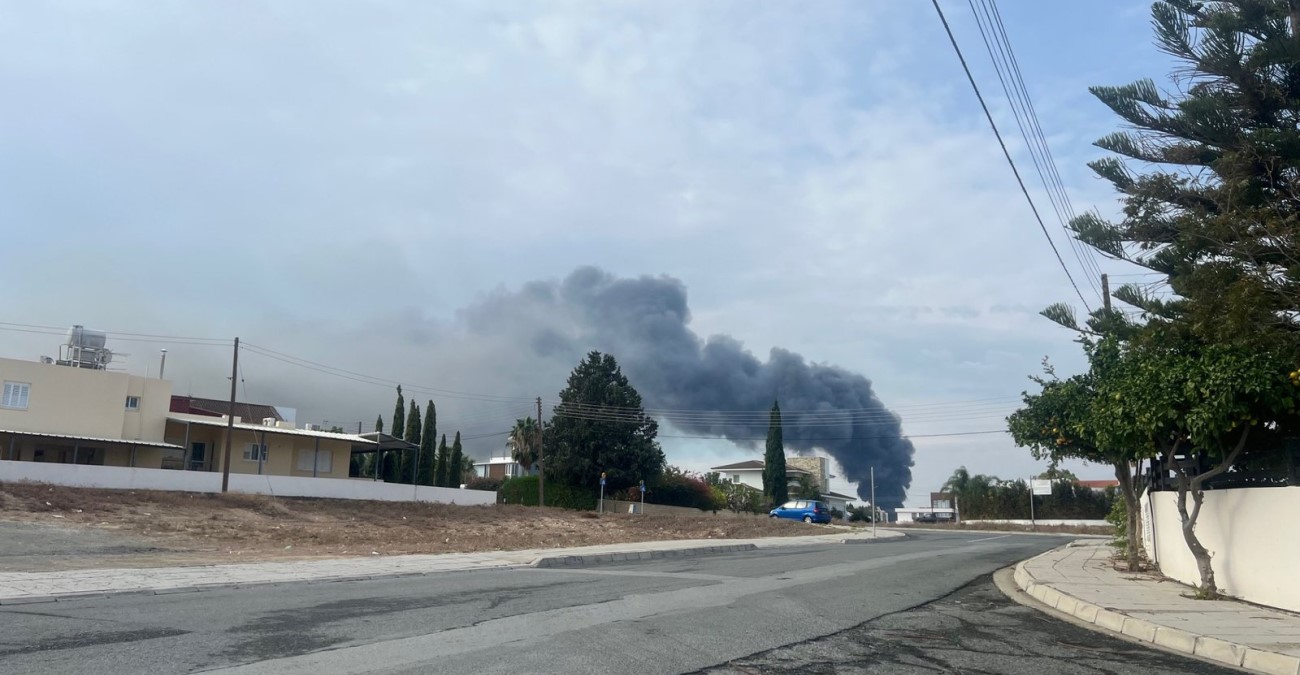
(311, 427)
(268, 421)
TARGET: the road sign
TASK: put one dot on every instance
(642, 486)
(1041, 486)
(602, 481)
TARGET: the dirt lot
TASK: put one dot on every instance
(148, 528)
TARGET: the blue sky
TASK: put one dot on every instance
(344, 182)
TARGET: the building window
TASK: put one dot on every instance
(132, 402)
(735, 478)
(323, 460)
(15, 395)
(250, 452)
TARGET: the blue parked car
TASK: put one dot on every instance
(807, 510)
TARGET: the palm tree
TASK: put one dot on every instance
(522, 442)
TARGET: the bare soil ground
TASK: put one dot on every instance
(169, 528)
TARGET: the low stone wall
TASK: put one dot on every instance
(618, 506)
(124, 478)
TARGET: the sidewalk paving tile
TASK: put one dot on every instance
(1080, 579)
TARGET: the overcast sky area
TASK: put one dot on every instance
(382, 187)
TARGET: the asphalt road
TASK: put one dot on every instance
(923, 604)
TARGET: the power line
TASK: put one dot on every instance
(1026, 116)
(1006, 153)
(851, 438)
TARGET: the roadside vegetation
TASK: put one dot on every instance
(1193, 369)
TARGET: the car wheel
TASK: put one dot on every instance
(807, 519)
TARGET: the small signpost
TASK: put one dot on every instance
(642, 511)
(1037, 486)
(602, 492)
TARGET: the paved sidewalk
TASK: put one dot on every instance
(29, 587)
(1080, 580)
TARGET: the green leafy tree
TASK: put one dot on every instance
(379, 424)
(1200, 405)
(427, 463)
(456, 465)
(399, 414)
(775, 484)
(413, 431)
(1068, 419)
(600, 426)
(806, 489)
(441, 466)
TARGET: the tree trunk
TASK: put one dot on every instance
(1193, 485)
(1134, 508)
(1208, 589)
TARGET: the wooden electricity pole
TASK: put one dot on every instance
(230, 421)
(541, 458)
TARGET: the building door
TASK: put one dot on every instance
(198, 456)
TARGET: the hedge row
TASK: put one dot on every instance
(523, 490)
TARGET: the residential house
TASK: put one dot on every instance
(74, 410)
(750, 473)
(66, 413)
(267, 446)
(500, 467)
(215, 407)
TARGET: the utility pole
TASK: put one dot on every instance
(230, 420)
(875, 510)
(163, 365)
(1105, 291)
(541, 458)
(1033, 527)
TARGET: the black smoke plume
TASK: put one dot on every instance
(644, 321)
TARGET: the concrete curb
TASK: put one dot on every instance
(1173, 639)
(579, 560)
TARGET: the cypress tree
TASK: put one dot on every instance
(426, 466)
(379, 424)
(399, 414)
(774, 480)
(440, 470)
(413, 428)
(455, 467)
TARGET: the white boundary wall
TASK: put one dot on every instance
(1048, 522)
(124, 478)
(1251, 533)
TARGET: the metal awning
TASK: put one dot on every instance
(209, 421)
(92, 439)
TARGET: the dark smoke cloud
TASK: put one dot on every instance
(644, 321)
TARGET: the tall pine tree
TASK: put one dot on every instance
(426, 467)
(456, 465)
(413, 429)
(440, 468)
(399, 415)
(775, 484)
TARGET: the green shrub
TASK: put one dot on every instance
(859, 514)
(1118, 517)
(523, 490)
(680, 488)
(481, 483)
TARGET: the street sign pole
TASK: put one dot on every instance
(1033, 527)
(642, 511)
(875, 511)
(602, 492)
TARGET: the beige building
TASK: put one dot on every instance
(77, 415)
(60, 413)
(284, 450)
